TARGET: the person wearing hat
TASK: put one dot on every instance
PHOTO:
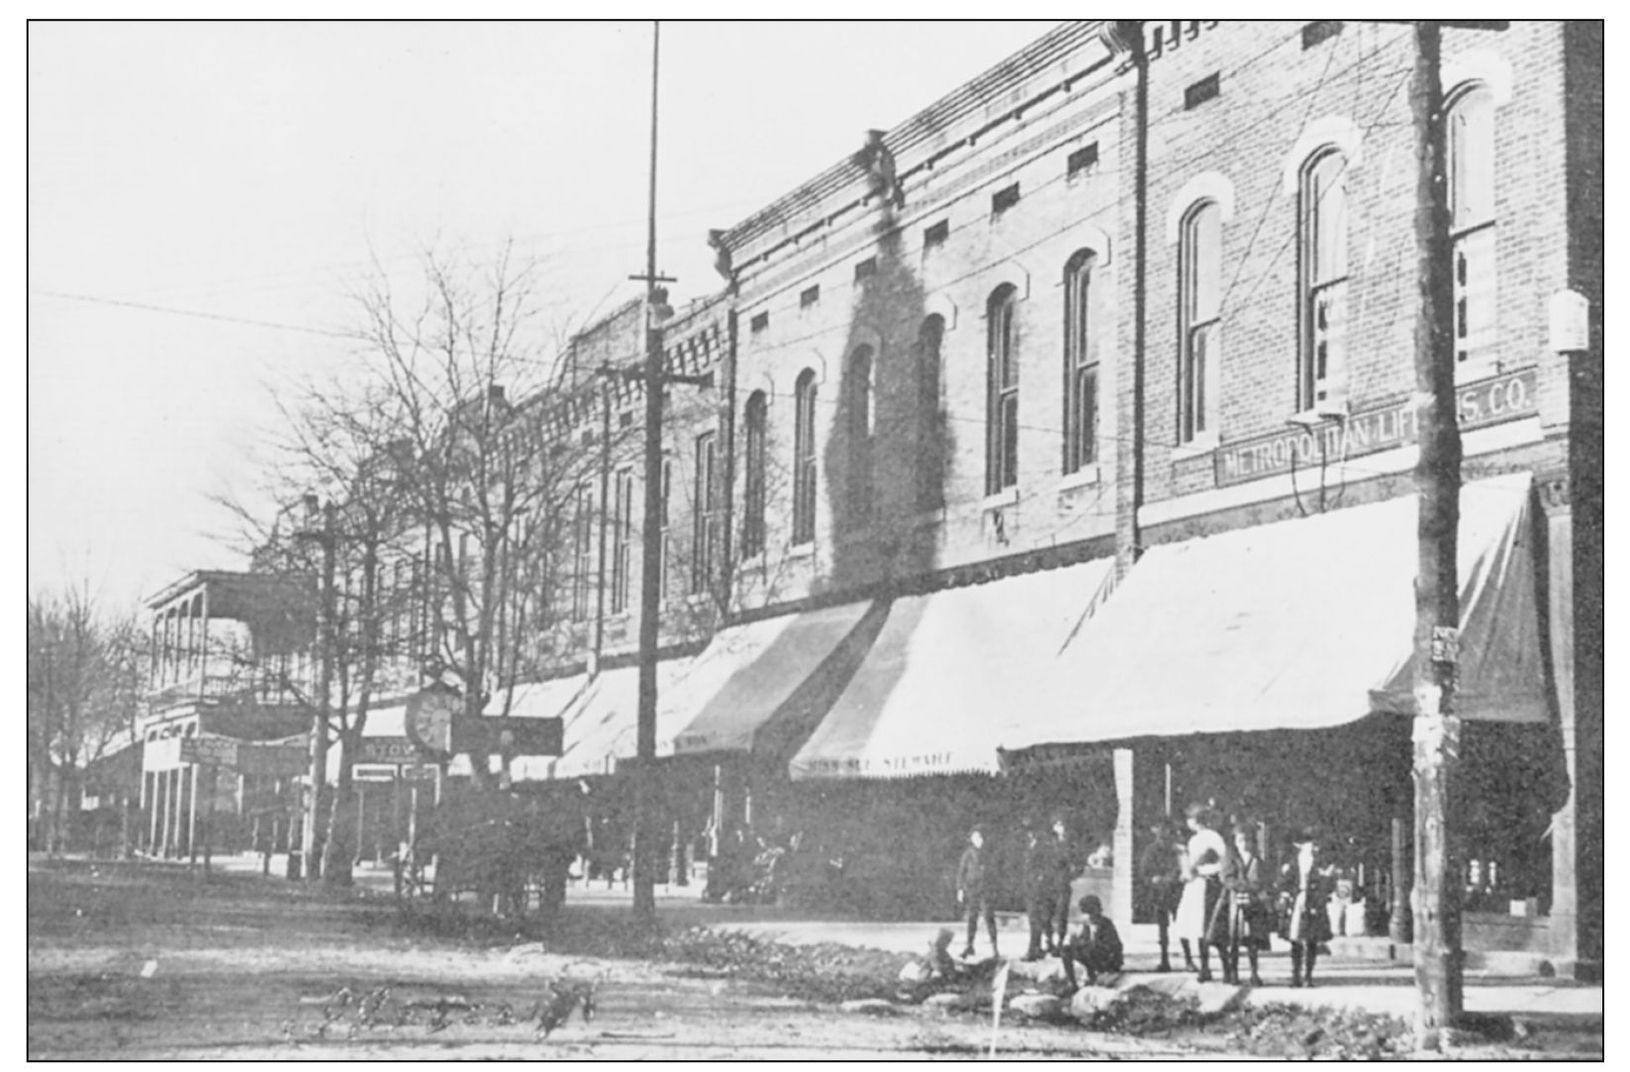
(1304, 894)
(1160, 884)
(1250, 918)
(1064, 871)
(1096, 946)
(974, 883)
(1040, 865)
(1198, 921)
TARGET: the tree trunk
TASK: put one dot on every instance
(337, 869)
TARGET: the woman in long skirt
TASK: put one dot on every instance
(1250, 920)
(1202, 870)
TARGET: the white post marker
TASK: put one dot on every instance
(998, 993)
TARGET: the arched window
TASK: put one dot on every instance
(1002, 419)
(930, 466)
(1321, 377)
(1199, 322)
(1080, 366)
(752, 526)
(858, 424)
(705, 521)
(1471, 223)
(803, 459)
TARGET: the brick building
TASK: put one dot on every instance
(1038, 326)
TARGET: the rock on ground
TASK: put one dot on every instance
(1036, 1006)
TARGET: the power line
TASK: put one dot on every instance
(195, 313)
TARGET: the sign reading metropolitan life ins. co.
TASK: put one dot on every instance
(1503, 398)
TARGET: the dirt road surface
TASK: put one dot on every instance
(145, 961)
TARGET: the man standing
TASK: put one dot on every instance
(1064, 872)
(1159, 875)
(973, 886)
(1040, 878)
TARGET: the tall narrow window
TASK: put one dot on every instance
(1471, 224)
(622, 521)
(803, 459)
(858, 423)
(1199, 322)
(930, 457)
(705, 520)
(1002, 421)
(752, 524)
(1080, 366)
(583, 552)
(1323, 312)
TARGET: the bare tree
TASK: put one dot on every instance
(480, 431)
(83, 698)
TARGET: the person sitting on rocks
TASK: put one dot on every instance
(1096, 946)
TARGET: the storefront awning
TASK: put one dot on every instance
(539, 699)
(1301, 624)
(601, 727)
(761, 687)
(944, 671)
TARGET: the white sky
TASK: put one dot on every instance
(250, 171)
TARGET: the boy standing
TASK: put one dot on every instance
(973, 882)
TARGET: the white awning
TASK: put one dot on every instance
(602, 726)
(1300, 624)
(943, 672)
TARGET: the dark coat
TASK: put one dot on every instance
(1250, 917)
(1160, 882)
(1041, 865)
(971, 872)
(1097, 947)
(1064, 867)
(1315, 912)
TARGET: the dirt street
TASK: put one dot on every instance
(146, 961)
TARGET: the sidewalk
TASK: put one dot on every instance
(1374, 986)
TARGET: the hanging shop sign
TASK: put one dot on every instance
(1508, 397)
(394, 750)
(509, 736)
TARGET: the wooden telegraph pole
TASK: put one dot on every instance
(645, 901)
(1436, 899)
(647, 834)
(1439, 965)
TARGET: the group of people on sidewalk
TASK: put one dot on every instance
(1207, 886)
(1213, 890)
(1048, 873)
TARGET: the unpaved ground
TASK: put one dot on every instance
(236, 956)
(151, 961)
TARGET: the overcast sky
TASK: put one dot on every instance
(248, 173)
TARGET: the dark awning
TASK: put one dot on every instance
(761, 687)
(1301, 624)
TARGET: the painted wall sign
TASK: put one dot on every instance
(389, 750)
(273, 760)
(209, 751)
(1508, 397)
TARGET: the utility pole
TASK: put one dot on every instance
(1436, 899)
(656, 379)
(645, 899)
(312, 846)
